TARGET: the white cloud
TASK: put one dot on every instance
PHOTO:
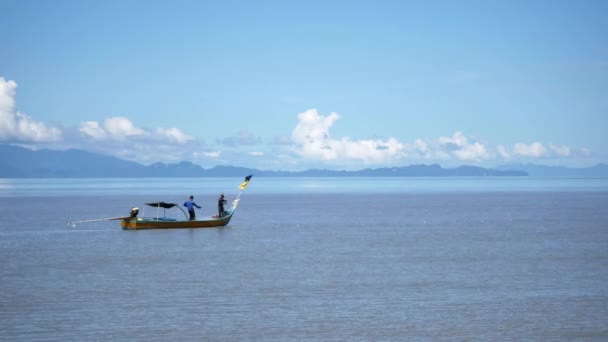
(212, 154)
(503, 152)
(120, 128)
(7, 95)
(534, 149)
(313, 127)
(422, 147)
(113, 128)
(17, 126)
(457, 140)
(256, 153)
(537, 150)
(312, 140)
(562, 151)
(119, 136)
(458, 146)
(174, 135)
(93, 130)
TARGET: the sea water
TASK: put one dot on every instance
(331, 259)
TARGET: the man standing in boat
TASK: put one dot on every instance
(220, 206)
(190, 205)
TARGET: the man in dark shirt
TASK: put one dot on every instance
(220, 206)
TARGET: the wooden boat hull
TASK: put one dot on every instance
(164, 223)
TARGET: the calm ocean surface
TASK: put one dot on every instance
(308, 259)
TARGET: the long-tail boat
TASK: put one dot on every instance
(133, 222)
(162, 221)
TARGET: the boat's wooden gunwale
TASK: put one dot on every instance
(142, 223)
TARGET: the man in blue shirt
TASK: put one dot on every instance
(190, 205)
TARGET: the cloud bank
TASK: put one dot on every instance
(312, 140)
(119, 136)
(116, 136)
(19, 127)
(310, 143)
(121, 129)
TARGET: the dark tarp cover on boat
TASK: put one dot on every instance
(162, 205)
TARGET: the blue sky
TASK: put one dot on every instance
(295, 85)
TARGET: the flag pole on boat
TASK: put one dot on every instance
(241, 188)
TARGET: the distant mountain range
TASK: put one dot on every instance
(599, 170)
(18, 162)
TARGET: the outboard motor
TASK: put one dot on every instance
(134, 212)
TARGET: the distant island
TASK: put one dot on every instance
(18, 162)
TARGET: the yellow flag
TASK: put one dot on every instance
(245, 183)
